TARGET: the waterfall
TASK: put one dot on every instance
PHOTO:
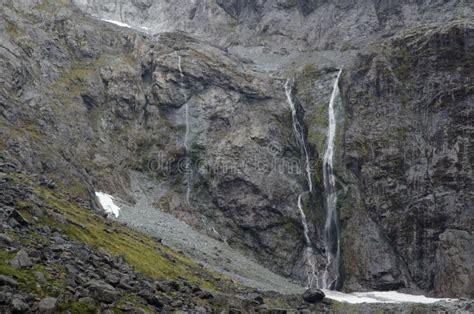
(309, 258)
(331, 227)
(186, 136)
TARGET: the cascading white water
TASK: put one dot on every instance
(331, 227)
(299, 133)
(186, 137)
(310, 260)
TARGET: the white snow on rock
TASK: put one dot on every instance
(380, 297)
(107, 203)
(117, 23)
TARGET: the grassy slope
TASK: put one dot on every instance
(145, 254)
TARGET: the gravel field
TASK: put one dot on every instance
(178, 235)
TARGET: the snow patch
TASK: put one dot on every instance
(117, 23)
(380, 297)
(107, 203)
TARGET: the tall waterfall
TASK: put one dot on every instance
(186, 137)
(331, 227)
(309, 258)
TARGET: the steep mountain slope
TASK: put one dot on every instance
(84, 102)
(272, 32)
(403, 168)
(127, 99)
(408, 146)
(403, 80)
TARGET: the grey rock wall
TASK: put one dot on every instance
(272, 28)
(410, 160)
(84, 102)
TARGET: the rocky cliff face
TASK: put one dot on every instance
(85, 101)
(411, 159)
(273, 32)
(103, 105)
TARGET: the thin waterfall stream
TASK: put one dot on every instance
(331, 227)
(186, 137)
(309, 258)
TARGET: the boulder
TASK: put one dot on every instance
(206, 295)
(47, 305)
(5, 297)
(8, 281)
(17, 216)
(5, 241)
(21, 260)
(112, 279)
(87, 300)
(103, 291)
(257, 298)
(313, 295)
(19, 306)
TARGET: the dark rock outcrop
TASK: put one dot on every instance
(21, 260)
(8, 281)
(406, 146)
(313, 295)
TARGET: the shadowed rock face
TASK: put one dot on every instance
(242, 9)
(104, 100)
(410, 159)
(255, 9)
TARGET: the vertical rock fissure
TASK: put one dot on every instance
(186, 137)
(331, 228)
(309, 258)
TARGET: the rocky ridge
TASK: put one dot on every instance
(275, 32)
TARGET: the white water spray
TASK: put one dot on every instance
(331, 228)
(310, 260)
(186, 136)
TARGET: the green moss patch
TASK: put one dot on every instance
(78, 308)
(26, 278)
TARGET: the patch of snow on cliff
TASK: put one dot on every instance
(107, 203)
(117, 23)
(380, 297)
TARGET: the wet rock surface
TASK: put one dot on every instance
(409, 161)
